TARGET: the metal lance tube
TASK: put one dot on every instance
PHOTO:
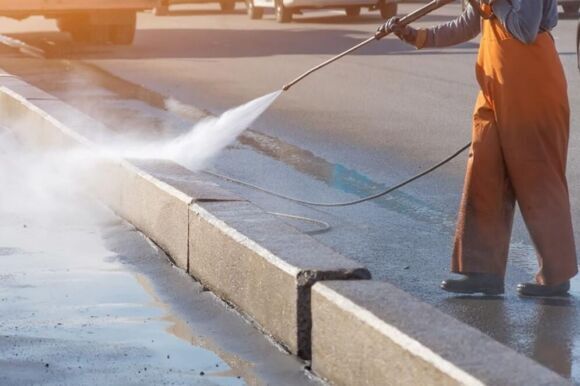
(408, 19)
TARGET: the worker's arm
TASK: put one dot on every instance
(522, 18)
(464, 28)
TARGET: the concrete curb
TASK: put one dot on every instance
(391, 335)
(249, 258)
(233, 241)
(302, 293)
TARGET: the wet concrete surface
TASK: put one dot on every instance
(304, 149)
(85, 299)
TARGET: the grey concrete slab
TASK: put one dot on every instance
(198, 186)
(157, 209)
(263, 266)
(42, 130)
(371, 333)
(154, 195)
(70, 117)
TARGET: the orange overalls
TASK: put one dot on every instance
(520, 142)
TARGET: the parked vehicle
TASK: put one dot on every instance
(88, 21)
(162, 7)
(285, 9)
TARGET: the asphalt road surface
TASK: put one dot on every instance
(364, 123)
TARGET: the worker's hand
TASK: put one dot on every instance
(405, 33)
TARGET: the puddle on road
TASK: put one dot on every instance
(234, 366)
(71, 312)
(70, 309)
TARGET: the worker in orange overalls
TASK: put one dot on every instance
(519, 145)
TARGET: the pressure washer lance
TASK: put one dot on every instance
(413, 16)
(408, 19)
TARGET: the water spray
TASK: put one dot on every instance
(410, 18)
(235, 121)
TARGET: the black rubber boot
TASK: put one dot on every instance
(474, 283)
(534, 289)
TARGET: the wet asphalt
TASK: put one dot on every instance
(86, 299)
(313, 145)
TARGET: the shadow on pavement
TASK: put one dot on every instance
(216, 43)
(365, 19)
(307, 18)
(240, 10)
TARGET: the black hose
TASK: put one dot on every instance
(346, 203)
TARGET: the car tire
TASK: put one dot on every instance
(352, 11)
(388, 9)
(571, 8)
(227, 5)
(255, 13)
(283, 13)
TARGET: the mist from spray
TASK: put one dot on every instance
(208, 137)
(43, 186)
(48, 185)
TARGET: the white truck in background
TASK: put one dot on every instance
(163, 5)
(87, 21)
(285, 9)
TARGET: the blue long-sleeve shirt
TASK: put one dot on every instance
(522, 18)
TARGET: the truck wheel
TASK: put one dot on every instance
(352, 11)
(571, 8)
(283, 14)
(124, 34)
(388, 9)
(227, 5)
(254, 12)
